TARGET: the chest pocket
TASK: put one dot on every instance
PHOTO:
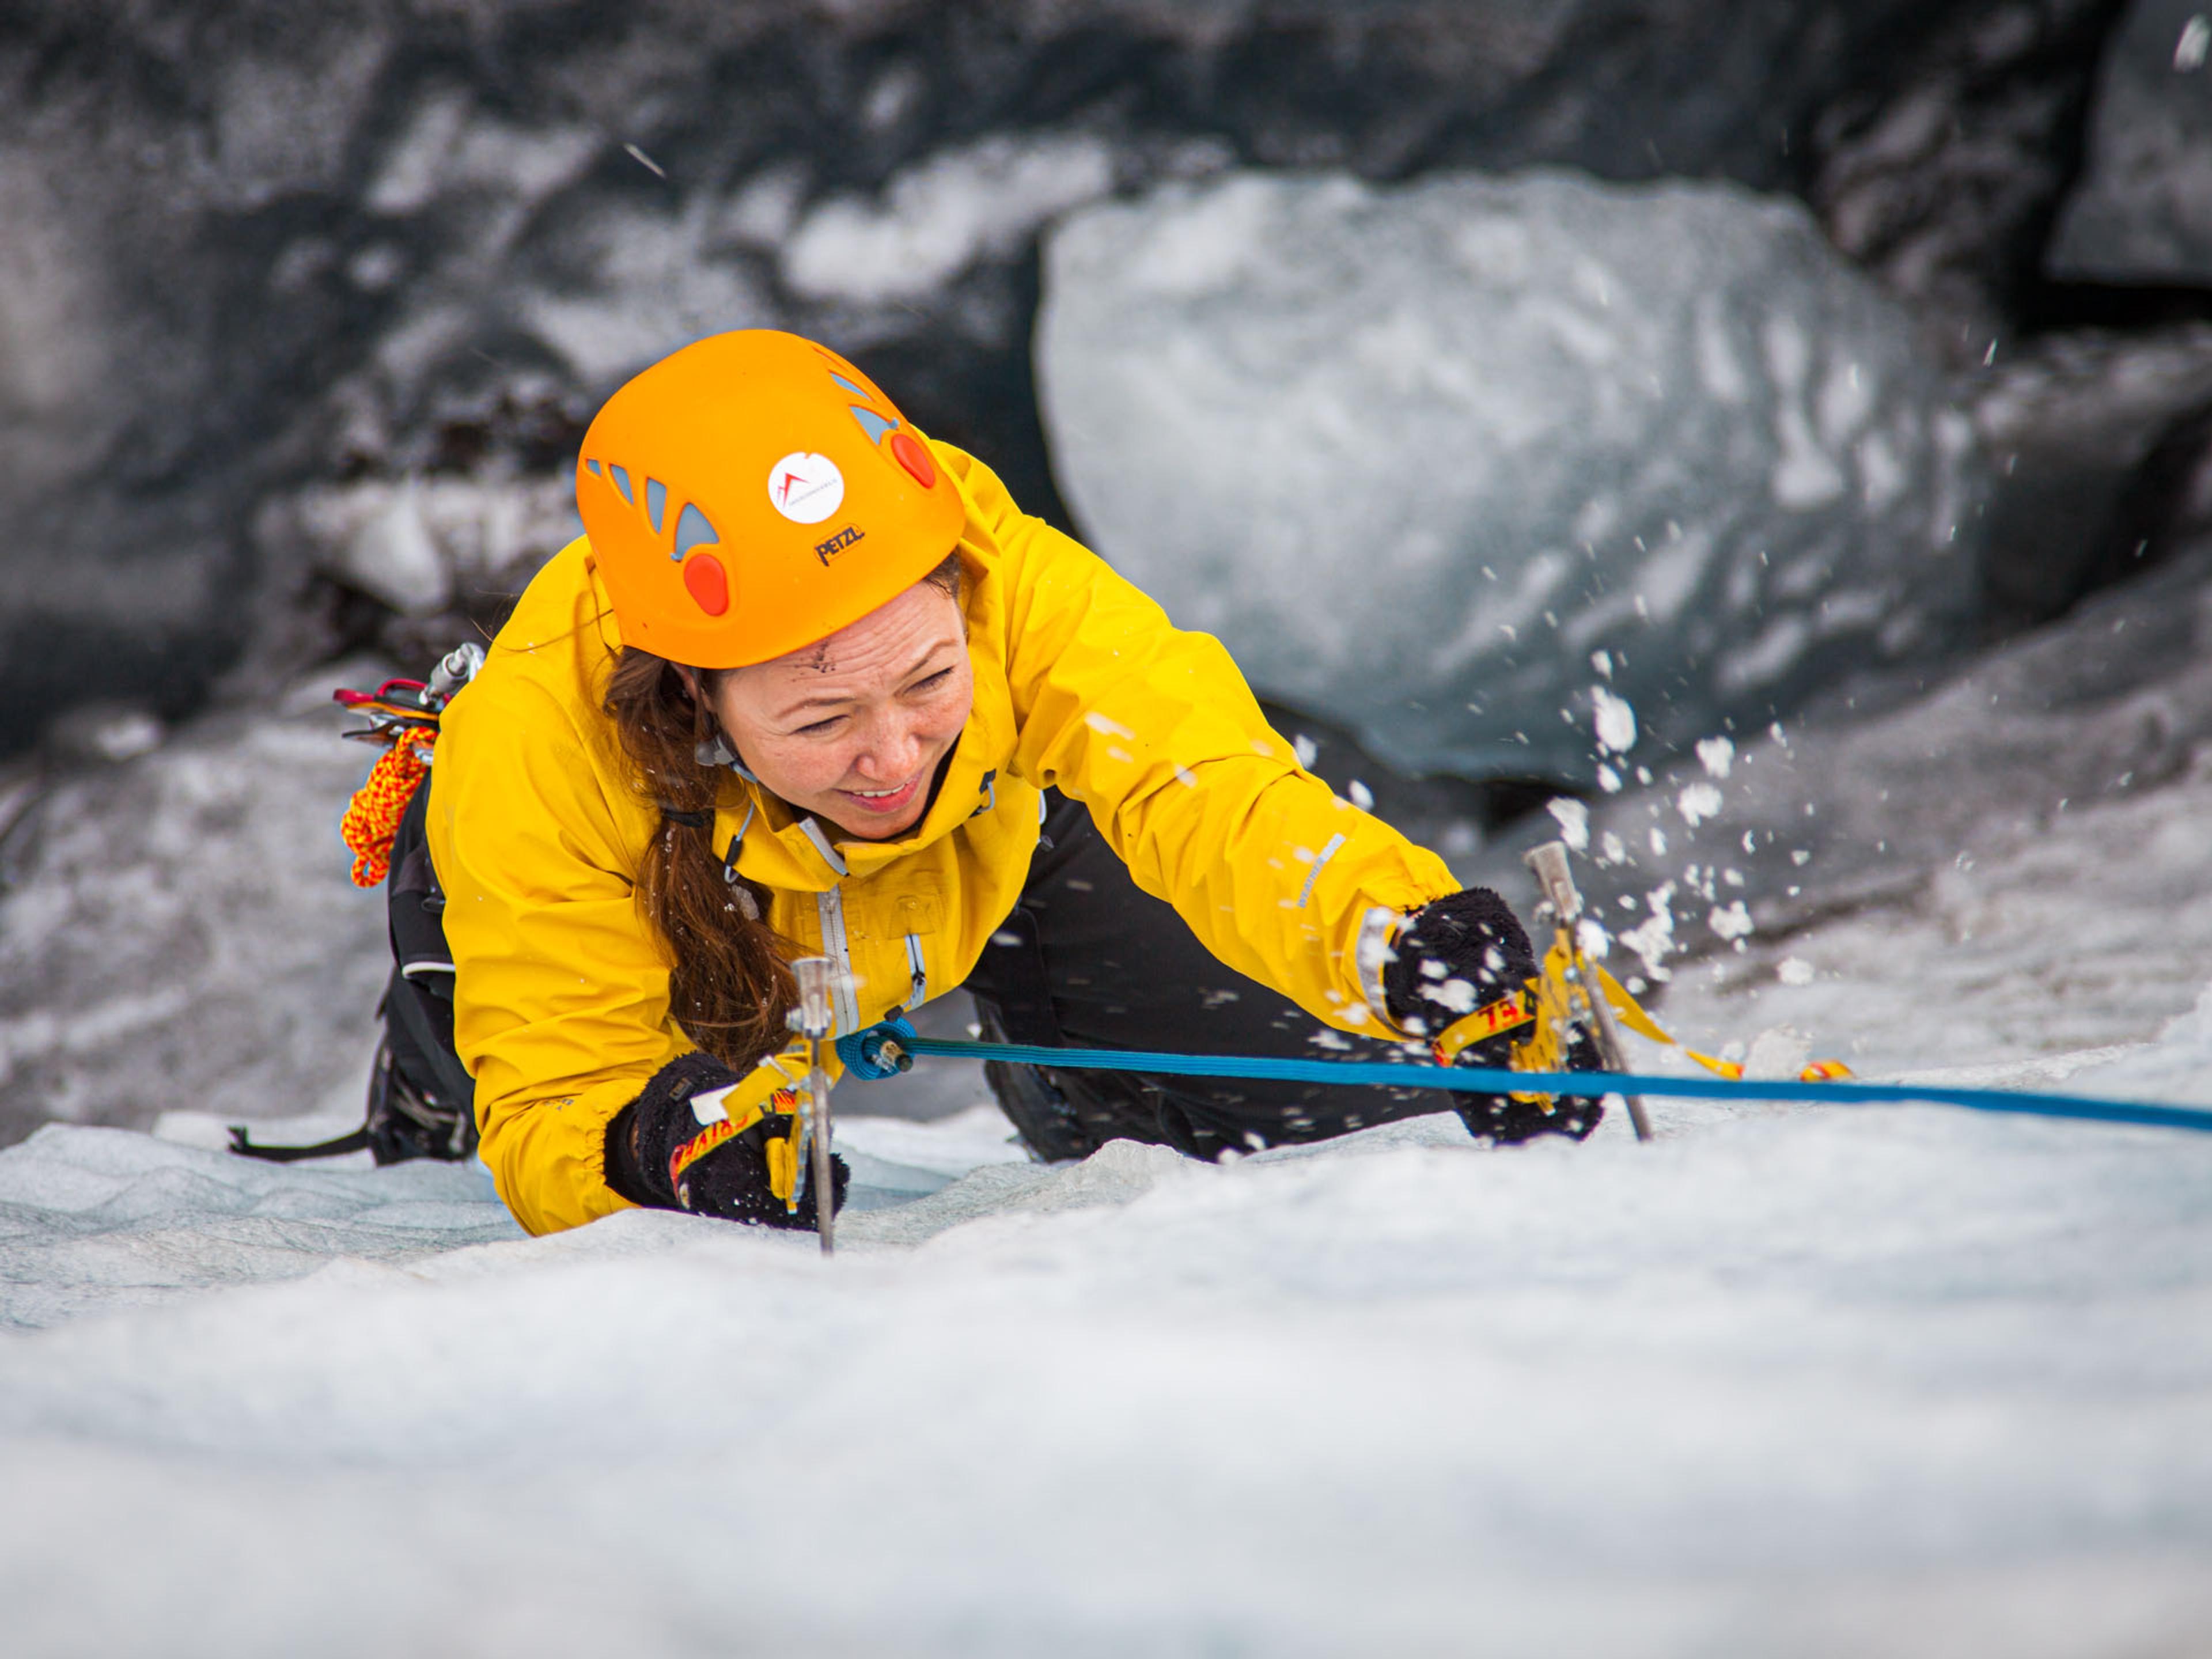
(918, 915)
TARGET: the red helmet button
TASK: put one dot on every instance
(915, 459)
(708, 583)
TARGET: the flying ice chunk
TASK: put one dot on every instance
(1616, 720)
(1653, 939)
(1730, 921)
(1574, 822)
(1462, 440)
(1697, 802)
(1716, 756)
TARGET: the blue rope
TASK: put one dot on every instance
(1467, 1079)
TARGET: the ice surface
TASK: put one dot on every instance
(102, 1218)
(1809, 1381)
(1418, 454)
(97, 1220)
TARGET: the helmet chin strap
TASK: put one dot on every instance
(716, 752)
(714, 749)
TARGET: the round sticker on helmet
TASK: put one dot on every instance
(805, 488)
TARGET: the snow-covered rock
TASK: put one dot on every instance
(2142, 210)
(936, 219)
(412, 544)
(382, 241)
(1436, 460)
(1908, 1381)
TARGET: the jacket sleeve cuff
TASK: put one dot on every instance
(624, 1175)
(1372, 952)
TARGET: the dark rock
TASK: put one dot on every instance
(1942, 179)
(2142, 210)
(2097, 441)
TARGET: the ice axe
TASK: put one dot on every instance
(812, 1019)
(1549, 865)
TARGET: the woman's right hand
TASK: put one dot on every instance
(677, 1146)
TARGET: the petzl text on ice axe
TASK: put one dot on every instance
(1549, 865)
(811, 1020)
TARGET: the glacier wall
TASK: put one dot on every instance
(1450, 461)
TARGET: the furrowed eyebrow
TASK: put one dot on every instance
(829, 701)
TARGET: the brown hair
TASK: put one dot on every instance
(728, 986)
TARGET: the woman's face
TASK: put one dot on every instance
(851, 728)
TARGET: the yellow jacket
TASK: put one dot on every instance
(536, 830)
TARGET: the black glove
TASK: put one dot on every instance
(1456, 955)
(659, 1154)
(1508, 1121)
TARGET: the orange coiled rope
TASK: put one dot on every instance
(372, 817)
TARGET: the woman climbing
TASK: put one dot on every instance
(813, 684)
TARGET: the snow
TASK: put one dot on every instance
(1909, 1380)
(1422, 455)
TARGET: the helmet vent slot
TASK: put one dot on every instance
(621, 482)
(593, 467)
(872, 423)
(692, 529)
(656, 503)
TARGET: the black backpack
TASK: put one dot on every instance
(421, 1103)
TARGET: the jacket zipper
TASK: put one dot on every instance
(829, 906)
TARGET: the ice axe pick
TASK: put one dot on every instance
(1549, 863)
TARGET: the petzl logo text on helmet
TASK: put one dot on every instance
(837, 544)
(805, 488)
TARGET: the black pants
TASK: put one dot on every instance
(1088, 961)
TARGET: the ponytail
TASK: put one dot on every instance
(728, 986)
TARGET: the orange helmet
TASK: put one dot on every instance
(755, 493)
